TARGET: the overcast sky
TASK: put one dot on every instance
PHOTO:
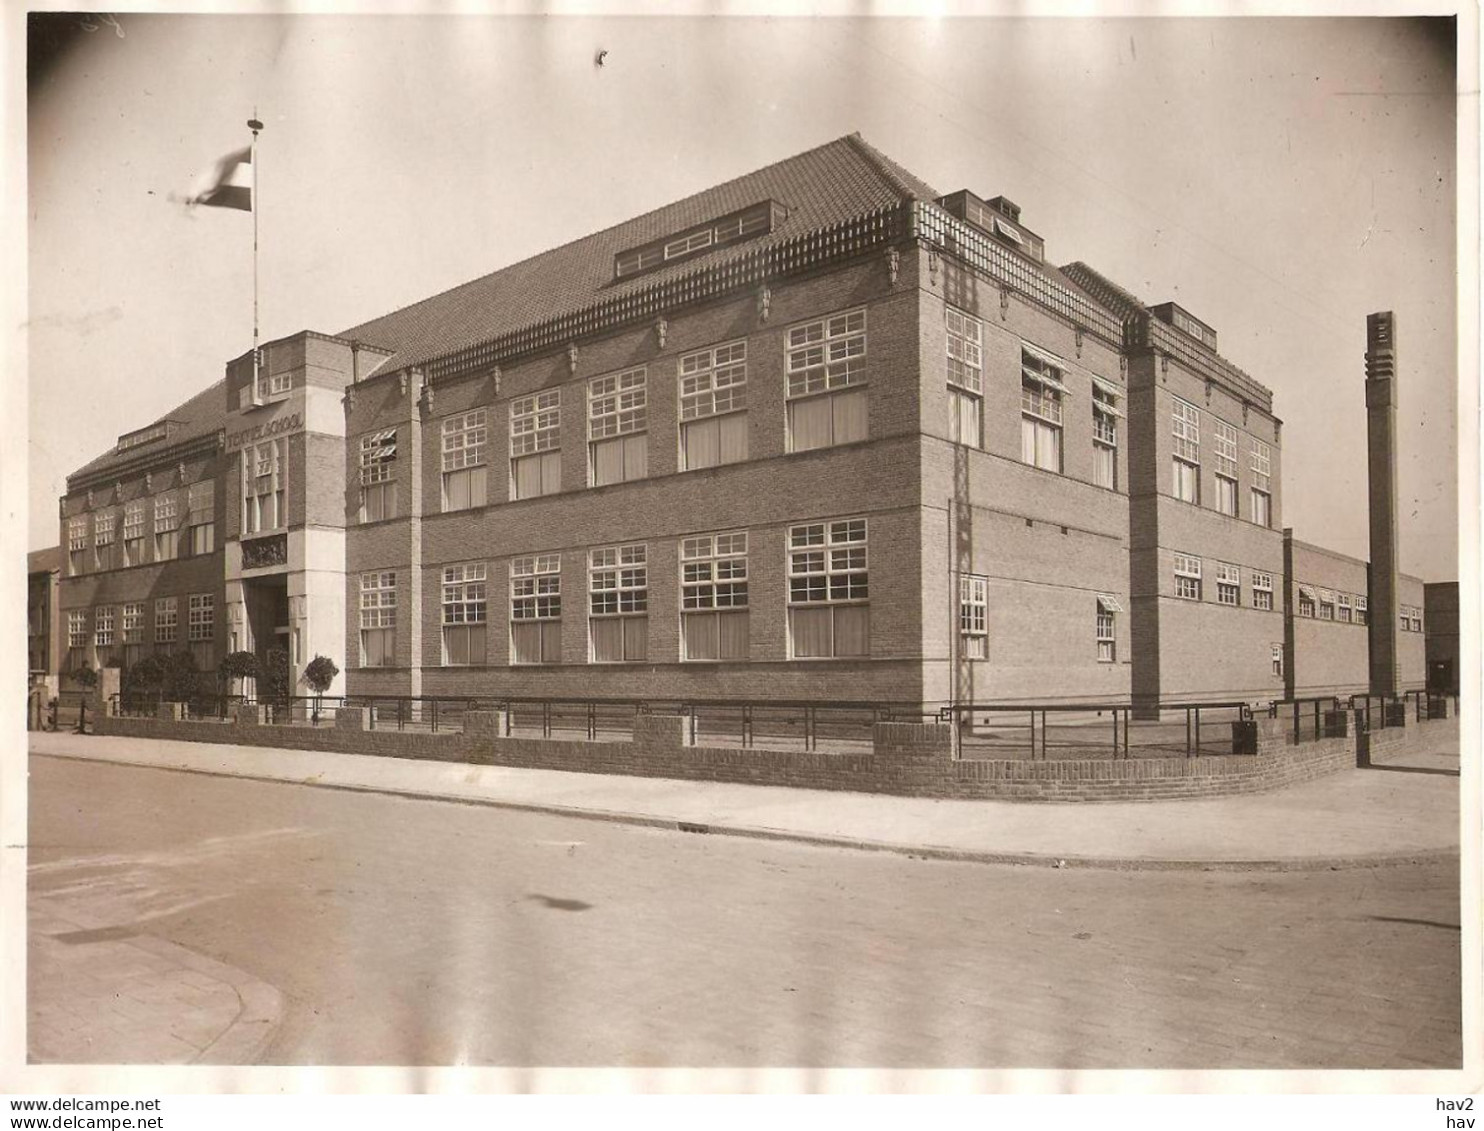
(1279, 178)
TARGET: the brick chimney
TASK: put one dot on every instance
(1380, 402)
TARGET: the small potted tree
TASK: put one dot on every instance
(236, 667)
(319, 673)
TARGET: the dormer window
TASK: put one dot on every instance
(757, 220)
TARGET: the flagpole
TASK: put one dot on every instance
(255, 125)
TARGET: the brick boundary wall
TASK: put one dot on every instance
(908, 759)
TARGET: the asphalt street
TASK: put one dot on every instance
(424, 932)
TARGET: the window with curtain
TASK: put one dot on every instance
(201, 516)
(618, 589)
(378, 469)
(713, 404)
(465, 450)
(77, 545)
(167, 528)
(965, 371)
(1186, 423)
(201, 629)
(1105, 416)
(1224, 441)
(1041, 393)
(465, 607)
(713, 596)
(828, 589)
(379, 619)
(617, 427)
(262, 487)
(826, 361)
(103, 522)
(536, 609)
(134, 533)
(535, 445)
(132, 629)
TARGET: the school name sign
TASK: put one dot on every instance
(279, 426)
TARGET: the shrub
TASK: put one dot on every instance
(319, 673)
(84, 677)
(238, 665)
(273, 677)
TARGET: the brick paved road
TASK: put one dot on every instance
(405, 931)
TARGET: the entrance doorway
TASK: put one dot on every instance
(266, 602)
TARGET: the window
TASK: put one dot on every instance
(77, 545)
(828, 589)
(167, 528)
(1041, 392)
(1278, 660)
(1225, 442)
(713, 597)
(536, 609)
(973, 617)
(1107, 608)
(825, 360)
(103, 539)
(617, 424)
(965, 378)
(1228, 584)
(1187, 449)
(618, 586)
(1105, 416)
(133, 632)
(77, 628)
(201, 516)
(1262, 590)
(752, 221)
(1188, 577)
(535, 445)
(713, 397)
(274, 385)
(464, 479)
(1416, 619)
(1326, 604)
(378, 469)
(134, 533)
(1342, 608)
(465, 602)
(103, 624)
(201, 629)
(262, 487)
(1308, 601)
(1362, 614)
(379, 619)
(1260, 463)
(167, 620)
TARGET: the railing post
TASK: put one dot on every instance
(82, 717)
(546, 718)
(592, 721)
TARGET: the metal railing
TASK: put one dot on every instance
(840, 727)
(1039, 731)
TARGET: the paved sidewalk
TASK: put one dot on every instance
(111, 994)
(1405, 810)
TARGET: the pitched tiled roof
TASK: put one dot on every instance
(200, 416)
(838, 180)
(44, 561)
(1102, 289)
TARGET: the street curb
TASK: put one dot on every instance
(248, 1034)
(922, 852)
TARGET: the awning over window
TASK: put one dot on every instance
(1327, 596)
(1042, 356)
(1109, 387)
(1109, 603)
(382, 447)
(1308, 591)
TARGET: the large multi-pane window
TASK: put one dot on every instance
(103, 630)
(379, 619)
(77, 545)
(536, 609)
(134, 533)
(1308, 601)
(1343, 608)
(713, 596)
(965, 378)
(201, 629)
(973, 617)
(262, 487)
(1326, 604)
(1105, 416)
(132, 629)
(201, 516)
(1362, 610)
(618, 590)
(828, 589)
(1277, 654)
(1225, 444)
(1108, 608)
(167, 620)
(1188, 577)
(536, 445)
(1041, 393)
(1187, 451)
(617, 427)
(1260, 463)
(378, 475)
(465, 440)
(77, 638)
(1228, 584)
(103, 522)
(1262, 590)
(713, 403)
(465, 613)
(826, 366)
(167, 528)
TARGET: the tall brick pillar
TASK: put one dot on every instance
(1380, 401)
